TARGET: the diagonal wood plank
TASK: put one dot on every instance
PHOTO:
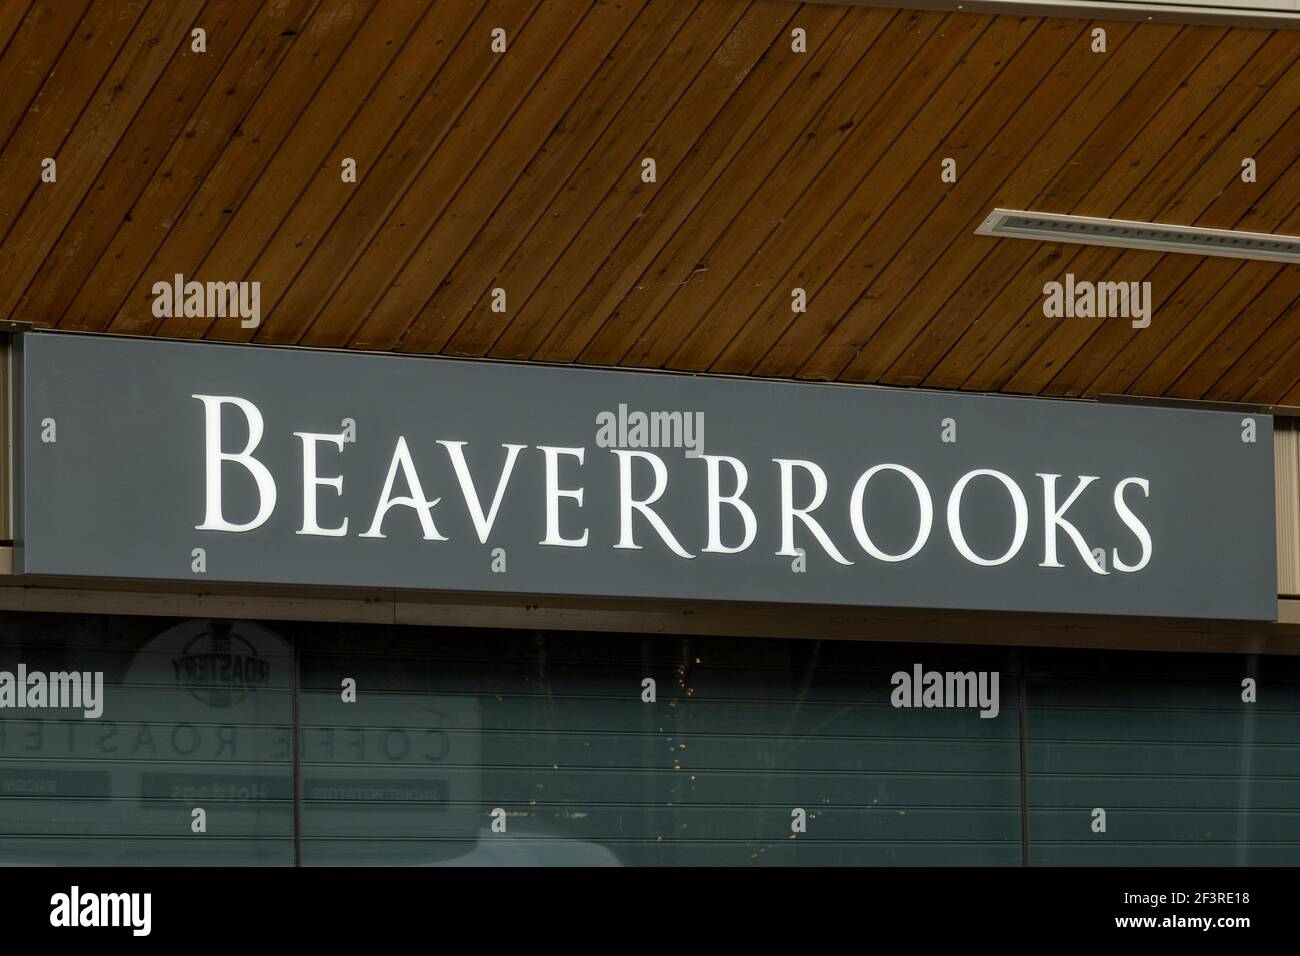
(468, 67)
(252, 145)
(863, 236)
(402, 109)
(344, 119)
(1193, 200)
(594, 183)
(800, 195)
(489, 116)
(12, 16)
(747, 75)
(66, 86)
(1148, 176)
(136, 158)
(675, 301)
(1280, 382)
(157, 37)
(1232, 364)
(603, 332)
(104, 285)
(513, 160)
(1199, 307)
(36, 37)
(964, 313)
(1003, 165)
(909, 332)
(466, 283)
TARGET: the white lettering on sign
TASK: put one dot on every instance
(803, 513)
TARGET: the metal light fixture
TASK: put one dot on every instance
(1267, 14)
(1130, 234)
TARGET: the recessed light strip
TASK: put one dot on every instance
(1269, 14)
(1130, 234)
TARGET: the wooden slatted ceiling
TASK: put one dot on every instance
(776, 170)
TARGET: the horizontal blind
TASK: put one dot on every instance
(196, 715)
(1186, 771)
(551, 731)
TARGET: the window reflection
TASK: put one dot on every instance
(196, 714)
(479, 747)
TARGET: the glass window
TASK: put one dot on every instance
(549, 737)
(433, 747)
(1187, 771)
(196, 715)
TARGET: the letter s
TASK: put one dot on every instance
(1137, 527)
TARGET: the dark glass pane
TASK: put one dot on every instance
(551, 729)
(1188, 773)
(196, 714)
(453, 733)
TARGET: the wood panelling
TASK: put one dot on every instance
(6, 442)
(776, 170)
(1287, 487)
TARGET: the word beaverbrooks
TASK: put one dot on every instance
(803, 490)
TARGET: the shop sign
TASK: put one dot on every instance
(212, 462)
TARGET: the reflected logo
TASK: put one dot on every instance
(221, 668)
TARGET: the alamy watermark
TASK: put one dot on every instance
(1098, 300)
(922, 688)
(57, 690)
(208, 300)
(634, 429)
(78, 909)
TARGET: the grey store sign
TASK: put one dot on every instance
(210, 462)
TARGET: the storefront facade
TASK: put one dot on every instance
(1052, 635)
(649, 432)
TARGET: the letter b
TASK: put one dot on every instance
(214, 520)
